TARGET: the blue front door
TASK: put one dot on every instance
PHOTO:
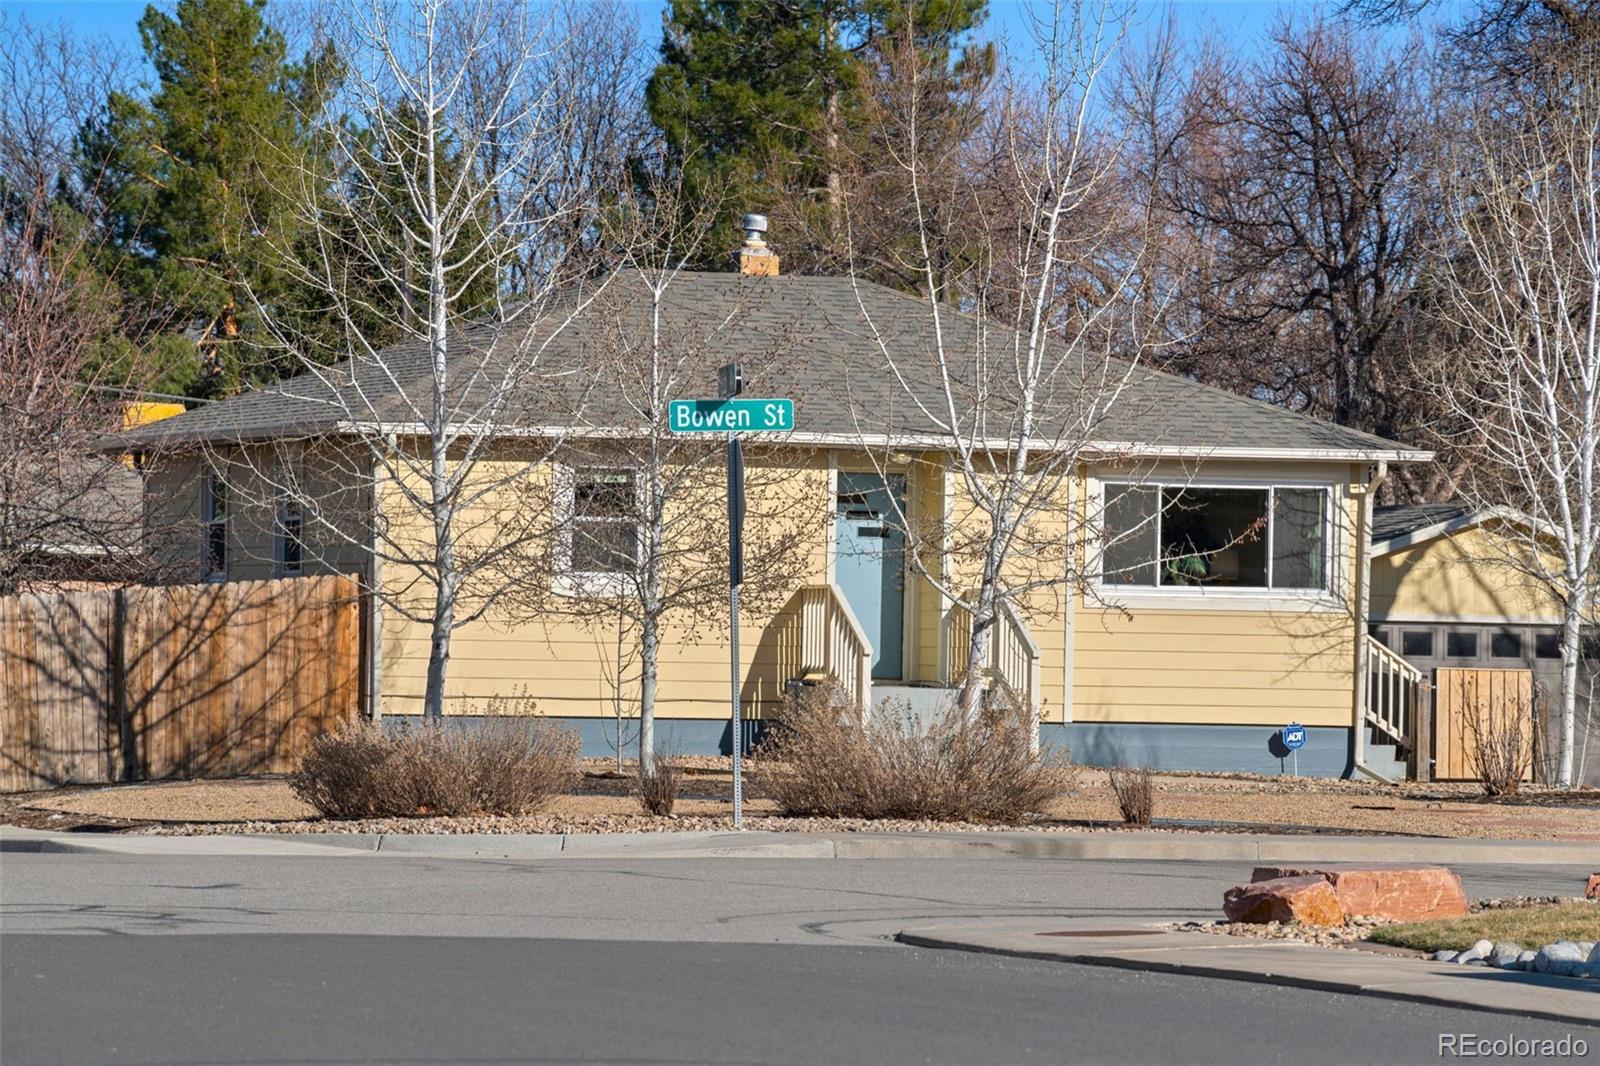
(870, 563)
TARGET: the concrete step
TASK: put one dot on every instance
(924, 704)
(1386, 760)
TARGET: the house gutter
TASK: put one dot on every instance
(1363, 608)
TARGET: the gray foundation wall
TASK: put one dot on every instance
(1224, 748)
(1328, 751)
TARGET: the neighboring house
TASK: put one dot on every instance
(1198, 673)
(1450, 590)
(80, 517)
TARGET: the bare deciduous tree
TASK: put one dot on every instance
(449, 220)
(1523, 288)
(646, 546)
(1033, 345)
(1302, 179)
(66, 511)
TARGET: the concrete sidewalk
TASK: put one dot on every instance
(1367, 973)
(754, 845)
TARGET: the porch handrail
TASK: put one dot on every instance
(1394, 689)
(833, 643)
(1013, 654)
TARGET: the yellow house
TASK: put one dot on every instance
(1452, 588)
(1209, 585)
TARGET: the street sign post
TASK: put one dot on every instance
(1294, 738)
(730, 415)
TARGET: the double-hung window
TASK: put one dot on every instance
(214, 527)
(605, 530)
(1228, 537)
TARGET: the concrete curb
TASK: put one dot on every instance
(755, 845)
(1558, 999)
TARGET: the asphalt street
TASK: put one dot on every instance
(117, 959)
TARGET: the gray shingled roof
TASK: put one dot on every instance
(810, 338)
(1397, 521)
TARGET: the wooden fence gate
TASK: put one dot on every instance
(179, 681)
(1469, 704)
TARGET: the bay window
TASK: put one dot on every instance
(1196, 536)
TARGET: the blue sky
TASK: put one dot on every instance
(1242, 21)
(1232, 18)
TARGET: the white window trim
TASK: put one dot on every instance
(1205, 598)
(208, 519)
(570, 582)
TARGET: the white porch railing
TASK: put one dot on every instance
(1013, 654)
(1394, 693)
(832, 642)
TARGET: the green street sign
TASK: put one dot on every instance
(737, 416)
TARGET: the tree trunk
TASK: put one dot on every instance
(1571, 648)
(649, 658)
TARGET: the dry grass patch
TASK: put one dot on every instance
(1135, 789)
(1533, 927)
(822, 761)
(657, 786)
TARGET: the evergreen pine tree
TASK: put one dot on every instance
(194, 185)
(762, 102)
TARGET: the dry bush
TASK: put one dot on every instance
(505, 766)
(820, 760)
(1500, 747)
(657, 787)
(1135, 788)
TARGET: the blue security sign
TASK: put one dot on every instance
(1294, 736)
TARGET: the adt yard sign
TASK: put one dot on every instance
(730, 416)
(1294, 736)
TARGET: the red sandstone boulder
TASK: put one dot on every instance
(1310, 900)
(1401, 893)
(1592, 889)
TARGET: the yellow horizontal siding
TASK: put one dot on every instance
(1237, 666)
(1467, 575)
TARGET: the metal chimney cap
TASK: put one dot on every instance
(754, 226)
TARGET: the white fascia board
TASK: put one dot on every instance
(940, 442)
(1456, 525)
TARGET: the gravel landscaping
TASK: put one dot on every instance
(602, 803)
(1551, 935)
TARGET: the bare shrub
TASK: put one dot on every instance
(820, 759)
(1135, 789)
(1500, 746)
(656, 785)
(504, 766)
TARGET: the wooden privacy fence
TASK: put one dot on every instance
(1491, 706)
(179, 681)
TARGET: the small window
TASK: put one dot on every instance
(1506, 644)
(214, 531)
(1461, 645)
(605, 533)
(291, 549)
(1547, 645)
(1417, 643)
(1379, 634)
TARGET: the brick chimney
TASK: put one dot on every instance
(755, 258)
